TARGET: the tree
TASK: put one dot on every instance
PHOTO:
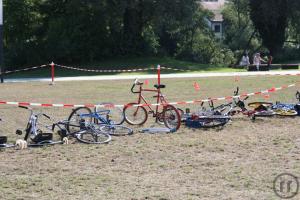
(270, 18)
(239, 28)
(294, 22)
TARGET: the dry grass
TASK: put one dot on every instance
(239, 161)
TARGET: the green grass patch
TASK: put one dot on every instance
(125, 63)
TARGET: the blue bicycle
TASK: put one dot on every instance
(100, 117)
(287, 109)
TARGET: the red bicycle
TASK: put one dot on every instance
(164, 113)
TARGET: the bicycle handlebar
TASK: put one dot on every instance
(24, 107)
(47, 116)
(202, 104)
(237, 91)
(136, 82)
(298, 95)
(211, 104)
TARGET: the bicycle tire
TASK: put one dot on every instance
(135, 115)
(116, 130)
(286, 113)
(3, 139)
(257, 104)
(74, 119)
(213, 121)
(116, 114)
(171, 117)
(264, 113)
(90, 136)
(6, 146)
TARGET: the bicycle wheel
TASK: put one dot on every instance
(171, 117)
(115, 114)
(3, 139)
(135, 115)
(213, 121)
(264, 113)
(116, 130)
(258, 104)
(77, 118)
(286, 112)
(90, 136)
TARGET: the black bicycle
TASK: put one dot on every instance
(34, 135)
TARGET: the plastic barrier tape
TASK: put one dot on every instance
(172, 103)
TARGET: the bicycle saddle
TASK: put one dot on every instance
(159, 86)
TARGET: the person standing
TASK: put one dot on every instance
(270, 60)
(257, 61)
(245, 60)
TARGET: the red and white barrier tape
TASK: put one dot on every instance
(172, 103)
(25, 69)
(129, 70)
(117, 70)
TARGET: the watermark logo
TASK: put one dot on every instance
(286, 186)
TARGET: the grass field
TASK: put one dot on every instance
(125, 63)
(239, 161)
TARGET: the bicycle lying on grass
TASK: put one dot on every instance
(237, 106)
(220, 115)
(280, 109)
(34, 132)
(100, 119)
(86, 132)
(163, 113)
(205, 118)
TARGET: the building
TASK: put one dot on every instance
(216, 23)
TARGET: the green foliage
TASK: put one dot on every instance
(294, 22)
(84, 31)
(270, 18)
(238, 26)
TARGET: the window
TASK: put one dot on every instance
(217, 28)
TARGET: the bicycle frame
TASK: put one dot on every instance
(98, 116)
(236, 103)
(31, 127)
(159, 98)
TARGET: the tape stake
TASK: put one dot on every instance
(266, 96)
(237, 79)
(158, 74)
(146, 82)
(52, 73)
(196, 86)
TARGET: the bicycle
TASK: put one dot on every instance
(164, 113)
(238, 106)
(35, 134)
(205, 118)
(99, 118)
(87, 133)
(286, 109)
